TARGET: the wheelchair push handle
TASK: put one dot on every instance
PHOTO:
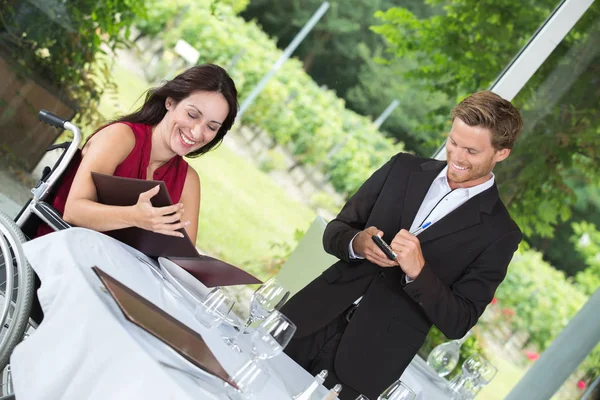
(51, 119)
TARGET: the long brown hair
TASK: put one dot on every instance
(206, 77)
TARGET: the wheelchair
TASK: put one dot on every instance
(18, 289)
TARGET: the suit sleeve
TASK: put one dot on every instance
(355, 213)
(456, 309)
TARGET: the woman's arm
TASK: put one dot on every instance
(190, 197)
(103, 153)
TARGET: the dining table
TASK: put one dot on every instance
(86, 348)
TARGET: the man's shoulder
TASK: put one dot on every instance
(502, 220)
(412, 160)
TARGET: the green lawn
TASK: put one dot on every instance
(242, 210)
(507, 377)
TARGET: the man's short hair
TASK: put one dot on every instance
(488, 110)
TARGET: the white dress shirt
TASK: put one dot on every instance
(439, 201)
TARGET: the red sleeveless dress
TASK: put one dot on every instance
(173, 173)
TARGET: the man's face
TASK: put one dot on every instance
(470, 155)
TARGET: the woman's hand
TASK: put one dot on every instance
(164, 220)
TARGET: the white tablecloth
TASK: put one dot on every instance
(85, 349)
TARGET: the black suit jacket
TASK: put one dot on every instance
(466, 257)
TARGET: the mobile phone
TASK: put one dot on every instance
(387, 250)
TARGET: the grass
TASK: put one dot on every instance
(242, 212)
(507, 377)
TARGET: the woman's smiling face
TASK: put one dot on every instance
(194, 121)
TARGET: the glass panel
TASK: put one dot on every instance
(309, 141)
(550, 184)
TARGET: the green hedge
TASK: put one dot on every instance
(543, 301)
(311, 121)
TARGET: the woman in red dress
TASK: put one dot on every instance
(186, 116)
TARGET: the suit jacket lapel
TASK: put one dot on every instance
(418, 186)
(466, 215)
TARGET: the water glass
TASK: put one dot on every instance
(250, 379)
(272, 336)
(397, 391)
(213, 308)
(476, 373)
(480, 368)
(270, 296)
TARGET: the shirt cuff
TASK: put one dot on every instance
(351, 251)
(407, 279)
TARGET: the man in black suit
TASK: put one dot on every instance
(366, 316)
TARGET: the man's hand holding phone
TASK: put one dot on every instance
(365, 245)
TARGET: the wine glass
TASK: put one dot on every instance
(479, 367)
(270, 296)
(444, 357)
(397, 391)
(476, 373)
(272, 336)
(213, 308)
(250, 379)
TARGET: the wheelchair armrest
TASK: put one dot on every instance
(50, 215)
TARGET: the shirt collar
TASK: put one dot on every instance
(442, 178)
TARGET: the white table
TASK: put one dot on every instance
(85, 349)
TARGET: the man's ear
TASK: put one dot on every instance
(501, 155)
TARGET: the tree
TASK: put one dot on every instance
(331, 53)
(380, 83)
(463, 50)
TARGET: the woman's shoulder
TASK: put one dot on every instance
(118, 133)
(192, 179)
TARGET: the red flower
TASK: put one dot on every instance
(509, 312)
(532, 355)
(494, 300)
(581, 385)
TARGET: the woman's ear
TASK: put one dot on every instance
(169, 103)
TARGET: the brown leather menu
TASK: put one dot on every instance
(209, 271)
(118, 191)
(185, 341)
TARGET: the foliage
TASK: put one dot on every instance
(539, 296)
(280, 252)
(64, 43)
(164, 15)
(435, 337)
(464, 49)
(559, 250)
(324, 201)
(587, 241)
(380, 84)
(331, 52)
(272, 160)
(309, 120)
(338, 54)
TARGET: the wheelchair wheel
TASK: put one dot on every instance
(16, 288)
(6, 386)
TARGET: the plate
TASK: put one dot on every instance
(189, 287)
